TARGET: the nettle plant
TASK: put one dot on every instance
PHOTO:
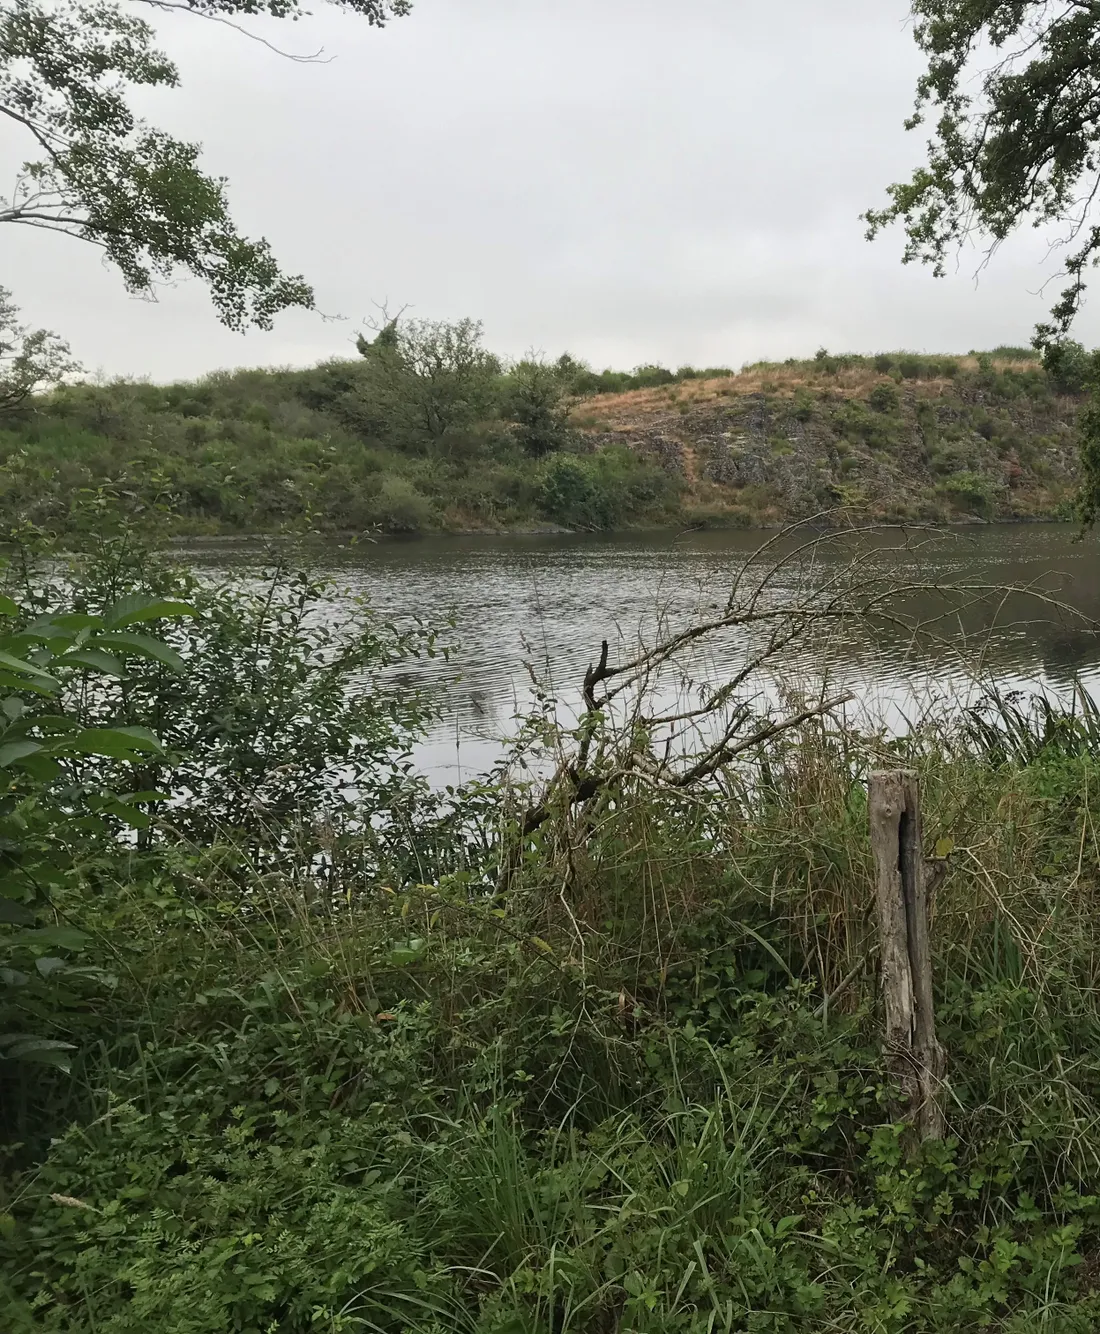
(60, 817)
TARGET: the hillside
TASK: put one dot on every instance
(956, 438)
(388, 444)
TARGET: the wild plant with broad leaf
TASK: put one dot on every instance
(56, 816)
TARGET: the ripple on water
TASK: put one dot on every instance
(547, 602)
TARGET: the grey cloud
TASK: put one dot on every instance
(629, 179)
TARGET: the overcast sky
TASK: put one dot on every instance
(632, 180)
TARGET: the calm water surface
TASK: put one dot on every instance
(541, 605)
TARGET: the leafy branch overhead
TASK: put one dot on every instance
(1014, 143)
(1013, 94)
(99, 173)
(376, 12)
(30, 359)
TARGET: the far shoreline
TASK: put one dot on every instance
(349, 540)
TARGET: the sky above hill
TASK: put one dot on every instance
(631, 180)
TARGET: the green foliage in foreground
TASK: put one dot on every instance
(345, 1073)
(52, 806)
(415, 1117)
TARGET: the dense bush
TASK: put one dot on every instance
(581, 380)
(592, 492)
(884, 398)
(1007, 352)
(1068, 365)
(534, 400)
(970, 491)
(425, 431)
(424, 383)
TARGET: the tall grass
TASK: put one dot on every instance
(640, 1089)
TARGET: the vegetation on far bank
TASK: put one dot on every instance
(426, 431)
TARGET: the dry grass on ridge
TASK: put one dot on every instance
(783, 381)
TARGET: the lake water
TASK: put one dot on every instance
(525, 607)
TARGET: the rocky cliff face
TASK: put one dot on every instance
(988, 441)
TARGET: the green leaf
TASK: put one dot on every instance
(11, 752)
(142, 738)
(140, 607)
(49, 724)
(141, 646)
(7, 606)
(13, 682)
(25, 668)
(945, 847)
(402, 955)
(16, 914)
(116, 743)
(57, 937)
(47, 627)
(42, 1051)
(129, 815)
(94, 658)
(42, 767)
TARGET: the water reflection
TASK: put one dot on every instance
(526, 607)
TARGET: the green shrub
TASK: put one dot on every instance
(877, 429)
(884, 398)
(400, 508)
(600, 490)
(587, 381)
(802, 407)
(571, 493)
(203, 1215)
(1068, 366)
(68, 784)
(1010, 352)
(534, 400)
(651, 376)
(969, 491)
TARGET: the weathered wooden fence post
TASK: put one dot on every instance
(914, 1056)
